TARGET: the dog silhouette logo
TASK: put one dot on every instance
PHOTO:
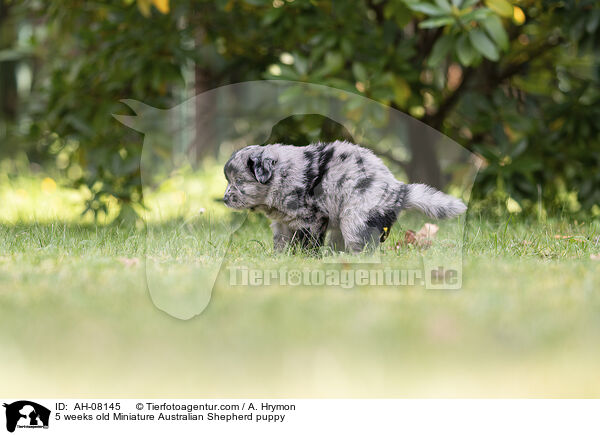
(236, 115)
(26, 414)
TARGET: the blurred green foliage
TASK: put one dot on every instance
(516, 82)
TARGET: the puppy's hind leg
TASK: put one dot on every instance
(358, 236)
(336, 240)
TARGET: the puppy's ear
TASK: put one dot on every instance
(262, 167)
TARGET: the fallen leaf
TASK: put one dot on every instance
(427, 232)
(410, 237)
(422, 238)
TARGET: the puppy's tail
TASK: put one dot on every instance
(432, 202)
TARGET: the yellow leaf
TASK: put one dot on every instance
(518, 15)
(162, 6)
(145, 6)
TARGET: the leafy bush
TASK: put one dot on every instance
(515, 82)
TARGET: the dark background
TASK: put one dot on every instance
(516, 82)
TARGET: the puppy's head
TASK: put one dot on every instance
(249, 173)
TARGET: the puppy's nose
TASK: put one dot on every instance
(227, 198)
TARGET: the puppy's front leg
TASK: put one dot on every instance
(282, 236)
(312, 236)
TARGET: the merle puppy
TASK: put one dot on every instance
(337, 187)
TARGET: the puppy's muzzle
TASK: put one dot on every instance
(227, 199)
(231, 198)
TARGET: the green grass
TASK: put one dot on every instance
(77, 319)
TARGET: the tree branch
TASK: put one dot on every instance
(516, 68)
(435, 120)
(429, 40)
(378, 9)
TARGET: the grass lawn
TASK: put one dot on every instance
(77, 319)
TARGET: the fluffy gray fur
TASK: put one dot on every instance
(337, 187)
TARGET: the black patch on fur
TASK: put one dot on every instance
(363, 184)
(318, 190)
(324, 159)
(320, 147)
(401, 196)
(250, 165)
(315, 210)
(292, 204)
(441, 213)
(295, 198)
(309, 171)
(309, 155)
(343, 156)
(382, 220)
(342, 180)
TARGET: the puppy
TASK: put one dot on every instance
(338, 187)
